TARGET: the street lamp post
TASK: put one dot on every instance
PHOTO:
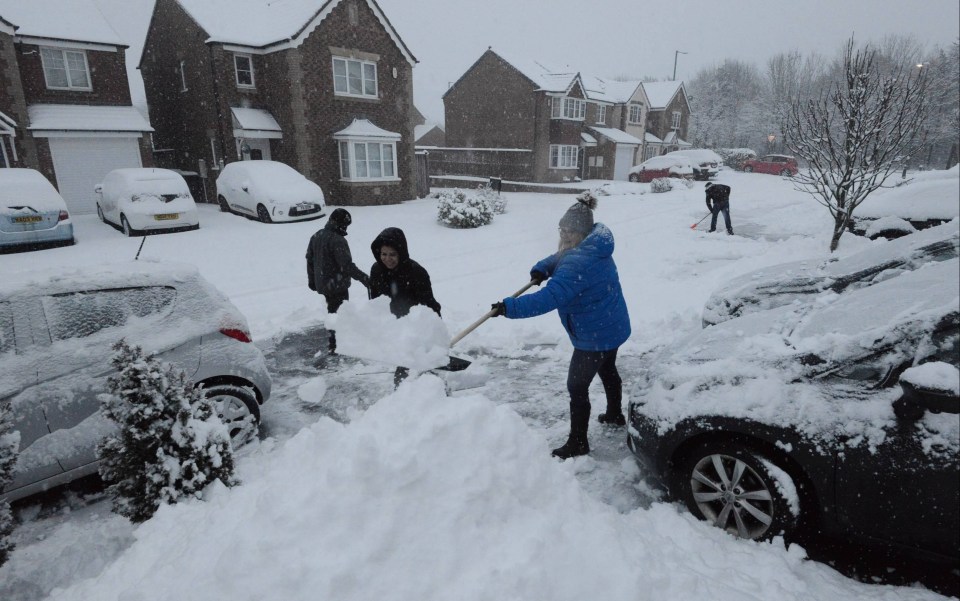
(675, 53)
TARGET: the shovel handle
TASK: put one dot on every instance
(489, 314)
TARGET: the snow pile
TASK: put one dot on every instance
(888, 224)
(368, 330)
(935, 375)
(426, 497)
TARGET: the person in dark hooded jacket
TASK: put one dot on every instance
(395, 275)
(330, 265)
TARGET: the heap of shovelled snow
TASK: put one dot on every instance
(367, 330)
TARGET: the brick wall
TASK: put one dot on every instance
(108, 78)
(13, 104)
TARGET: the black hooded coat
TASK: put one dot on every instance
(406, 285)
(329, 262)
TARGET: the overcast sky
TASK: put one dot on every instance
(610, 38)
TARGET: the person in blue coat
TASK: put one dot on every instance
(583, 286)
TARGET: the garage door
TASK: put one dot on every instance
(624, 158)
(81, 163)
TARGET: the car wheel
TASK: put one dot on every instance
(634, 177)
(238, 410)
(224, 207)
(125, 226)
(263, 214)
(739, 490)
(100, 214)
(748, 169)
(785, 173)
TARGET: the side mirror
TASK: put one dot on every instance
(929, 387)
(98, 188)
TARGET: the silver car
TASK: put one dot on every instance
(32, 212)
(56, 333)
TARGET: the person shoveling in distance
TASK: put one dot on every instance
(583, 286)
(395, 275)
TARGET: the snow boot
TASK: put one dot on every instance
(612, 417)
(576, 444)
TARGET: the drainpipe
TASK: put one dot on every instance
(216, 98)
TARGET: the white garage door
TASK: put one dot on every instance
(81, 163)
(624, 161)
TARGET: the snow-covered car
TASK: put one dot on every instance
(269, 191)
(32, 212)
(927, 199)
(803, 281)
(661, 166)
(775, 164)
(57, 329)
(706, 163)
(139, 200)
(791, 421)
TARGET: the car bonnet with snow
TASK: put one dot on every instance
(802, 280)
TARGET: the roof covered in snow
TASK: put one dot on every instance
(77, 117)
(73, 20)
(278, 22)
(363, 128)
(606, 90)
(660, 93)
(617, 135)
(546, 77)
(255, 123)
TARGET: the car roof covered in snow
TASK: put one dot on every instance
(59, 280)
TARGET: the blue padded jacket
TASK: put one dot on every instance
(584, 288)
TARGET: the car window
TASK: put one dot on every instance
(6, 328)
(81, 314)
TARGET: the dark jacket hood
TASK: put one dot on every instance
(338, 221)
(394, 238)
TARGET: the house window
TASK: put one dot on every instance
(636, 113)
(563, 157)
(675, 120)
(569, 108)
(368, 161)
(354, 78)
(183, 76)
(65, 69)
(601, 113)
(243, 66)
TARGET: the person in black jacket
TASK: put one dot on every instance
(395, 275)
(330, 265)
(718, 201)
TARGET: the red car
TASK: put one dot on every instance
(775, 164)
(661, 166)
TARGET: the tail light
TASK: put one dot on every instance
(63, 216)
(236, 334)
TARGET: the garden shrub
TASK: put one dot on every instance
(460, 210)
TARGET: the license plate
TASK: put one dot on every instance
(305, 206)
(28, 219)
(166, 216)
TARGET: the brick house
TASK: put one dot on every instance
(668, 118)
(65, 107)
(323, 86)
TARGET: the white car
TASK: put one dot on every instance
(32, 212)
(139, 200)
(706, 163)
(661, 166)
(269, 191)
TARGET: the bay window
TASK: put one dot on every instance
(368, 160)
(563, 156)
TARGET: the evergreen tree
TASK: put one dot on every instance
(170, 443)
(9, 443)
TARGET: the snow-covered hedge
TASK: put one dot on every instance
(459, 209)
(661, 184)
(9, 443)
(496, 201)
(734, 157)
(170, 443)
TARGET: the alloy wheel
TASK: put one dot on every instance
(732, 495)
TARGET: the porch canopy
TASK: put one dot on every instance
(255, 123)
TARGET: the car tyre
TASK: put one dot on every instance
(263, 214)
(224, 207)
(738, 489)
(237, 407)
(748, 169)
(785, 173)
(125, 226)
(634, 178)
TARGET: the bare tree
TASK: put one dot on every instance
(854, 135)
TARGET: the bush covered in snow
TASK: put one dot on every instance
(9, 443)
(734, 157)
(461, 210)
(170, 443)
(497, 202)
(661, 184)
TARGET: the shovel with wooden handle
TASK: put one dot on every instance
(458, 364)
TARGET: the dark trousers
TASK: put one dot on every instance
(333, 304)
(726, 218)
(584, 365)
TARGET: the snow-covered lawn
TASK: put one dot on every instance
(415, 495)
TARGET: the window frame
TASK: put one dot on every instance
(568, 108)
(344, 89)
(63, 52)
(558, 160)
(602, 114)
(350, 167)
(236, 71)
(675, 120)
(183, 76)
(638, 108)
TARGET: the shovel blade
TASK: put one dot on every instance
(456, 364)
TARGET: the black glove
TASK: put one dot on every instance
(538, 277)
(498, 309)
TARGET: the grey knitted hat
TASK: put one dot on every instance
(579, 217)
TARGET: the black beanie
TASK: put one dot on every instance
(579, 217)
